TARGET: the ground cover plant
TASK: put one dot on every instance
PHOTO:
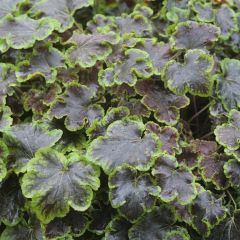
(120, 119)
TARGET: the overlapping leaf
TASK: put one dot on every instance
(124, 143)
(55, 183)
(8, 6)
(61, 11)
(228, 83)
(90, 48)
(133, 193)
(78, 107)
(25, 139)
(166, 105)
(22, 31)
(232, 171)
(176, 182)
(191, 35)
(136, 64)
(194, 76)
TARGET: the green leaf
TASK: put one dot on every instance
(131, 192)
(22, 31)
(137, 63)
(5, 118)
(207, 212)
(176, 182)
(11, 201)
(228, 83)
(90, 48)
(191, 35)
(44, 61)
(124, 143)
(194, 76)
(7, 7)
(165, 105)
(160, 53)
(74, 224)
(78, 107)
(225, 18)
(228, 134)
(7, 80)
(179, 234)
(55, 183)
(25, 139)
(168, 136)
(232, 172)
(61, 11)
(153, 225)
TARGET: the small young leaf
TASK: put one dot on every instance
(137, 63)
(176, 182)
(76, 104)
(124, 143)
(166, 105)
(205, 11)
(55, 183)
(132, 193)
(194, 76)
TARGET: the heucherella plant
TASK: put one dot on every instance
(120, 119)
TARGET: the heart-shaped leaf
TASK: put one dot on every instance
(55, 183)
(207, 211)
(228, 83)
(90, 48)
(25, 139)
(61, 11)
(78, 107)
(136, 64)
(191, 35)
(194, 76)
(124, 143)
(165, 104)
(132, 193)
(153, 225)
(228, 134)
(44, 61)
(176, 182)
(22, 31)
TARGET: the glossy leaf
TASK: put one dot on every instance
(56, 182)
